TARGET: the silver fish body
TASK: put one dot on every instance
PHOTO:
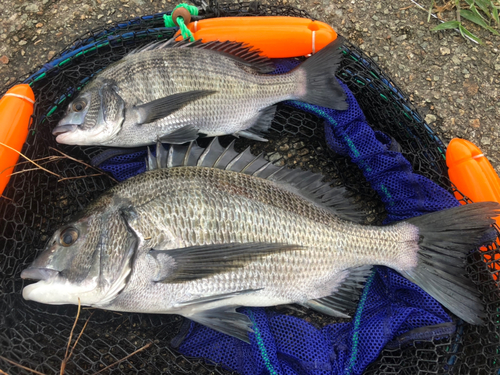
(177, 93)
(200, 241)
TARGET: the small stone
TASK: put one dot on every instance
(444, 51)
(31, 8)
(23, 42)
(497, 67)
(299, 145)
(475, 123)
(284, 148)
(274, 157)
(51, 54)
(486, 141)
(23, 52)
(456, 60)
(430, 118)
(100, 16)
(4, 59)
(39, 24)
(401, 37)
(471, 87)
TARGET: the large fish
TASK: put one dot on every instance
(211, 230)
(175, 92)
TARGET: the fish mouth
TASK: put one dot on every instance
(38, 273)
(61, 129)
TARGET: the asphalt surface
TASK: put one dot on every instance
(453, 82)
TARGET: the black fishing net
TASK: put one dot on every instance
(36, 203)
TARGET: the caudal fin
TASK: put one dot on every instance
(322, 87)
(446, 237)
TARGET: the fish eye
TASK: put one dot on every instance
(79, 105)
(68, 237)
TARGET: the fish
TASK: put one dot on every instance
(176, 92)
(205, 231)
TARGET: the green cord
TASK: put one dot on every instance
(357, 318)
(185, 32)
(261, 345)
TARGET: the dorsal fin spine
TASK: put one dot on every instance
(185, 162)
(252, 162)
(309, 184)
(234, 160)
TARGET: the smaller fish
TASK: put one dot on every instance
(176, 92)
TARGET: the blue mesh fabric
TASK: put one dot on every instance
(390, 304)
(284, 344)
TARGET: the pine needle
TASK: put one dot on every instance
(125, 358)
(24, 156)
(63, 363)
(80, 335)
(81, 162)
(21, 366)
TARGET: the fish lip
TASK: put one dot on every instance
(61, 129)
(38, 273)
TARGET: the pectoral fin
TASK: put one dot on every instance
(198, 262)
(163, 107)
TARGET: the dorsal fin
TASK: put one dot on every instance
(241, 52)
(308, 184)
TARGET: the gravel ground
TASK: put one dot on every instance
(453, 82)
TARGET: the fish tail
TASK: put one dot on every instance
(445, 239)
(321, 85)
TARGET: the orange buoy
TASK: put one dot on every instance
(474, 176)
(471, 172)
(16, 108)
(276, 36)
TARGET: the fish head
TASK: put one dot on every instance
(93, 118)
(87, 261)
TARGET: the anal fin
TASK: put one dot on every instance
(346, 298)
(259, 125)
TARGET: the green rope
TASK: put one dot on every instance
(185, 32)
(357, 318)
(261, 345)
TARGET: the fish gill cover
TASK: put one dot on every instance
(37, 203)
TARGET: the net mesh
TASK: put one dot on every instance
(36, 203)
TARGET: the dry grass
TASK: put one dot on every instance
(69, 352)
(53, 158)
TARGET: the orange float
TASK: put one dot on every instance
(474, 176)
(16, 108)
(276, 36)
